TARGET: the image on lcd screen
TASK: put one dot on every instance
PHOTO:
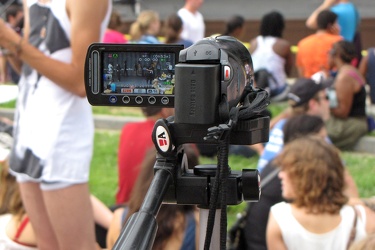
(149, 73)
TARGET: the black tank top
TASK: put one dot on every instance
(358, 108)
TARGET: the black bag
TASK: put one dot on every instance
(265, 80)
(236, 235)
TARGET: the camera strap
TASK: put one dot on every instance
(254, 103)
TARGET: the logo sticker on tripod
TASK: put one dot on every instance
(162, 139)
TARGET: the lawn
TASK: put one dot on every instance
(103, 177)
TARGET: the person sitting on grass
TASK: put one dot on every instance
(317, 217)
(16, 232)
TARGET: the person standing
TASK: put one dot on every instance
(193, 22)
(347, 13)
(53, 134)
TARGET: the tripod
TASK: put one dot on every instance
(174, 183)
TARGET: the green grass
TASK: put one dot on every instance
(8, 105)
(103, 177)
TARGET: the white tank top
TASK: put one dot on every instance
(295, 236)
(48, 115)
(264, 57)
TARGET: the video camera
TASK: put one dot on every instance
(210, 85)
(202, 82)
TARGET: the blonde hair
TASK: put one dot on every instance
(10, 196)
(143, 23)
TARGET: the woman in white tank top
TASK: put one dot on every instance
(318, 217)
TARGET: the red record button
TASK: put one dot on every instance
(226, 73)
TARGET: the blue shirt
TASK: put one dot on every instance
(348, 19)
(274, 145)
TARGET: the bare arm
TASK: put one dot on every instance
(114, 228)
(86, 17)
(253, 45)
(370, 220)
(282, 48)
(311, 21)
(344, 87)
(102, 214)
(351, 189)
(274, 238)
(363, 66)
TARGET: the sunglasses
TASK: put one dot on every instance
(326, 97)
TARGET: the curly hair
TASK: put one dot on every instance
(272, 24)
(316, 172)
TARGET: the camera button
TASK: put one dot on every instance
(152, 100)
(112, 99)
(126, 99)
(227, 72)
(165, 100)
(139, 99)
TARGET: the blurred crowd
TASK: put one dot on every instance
(309, 201)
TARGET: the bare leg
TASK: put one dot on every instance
(70, 211)
(62, 219)
(32, 199)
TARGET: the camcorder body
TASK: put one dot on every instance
(210, 85)
(202, 82)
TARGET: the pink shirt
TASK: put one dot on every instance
(113, 36)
